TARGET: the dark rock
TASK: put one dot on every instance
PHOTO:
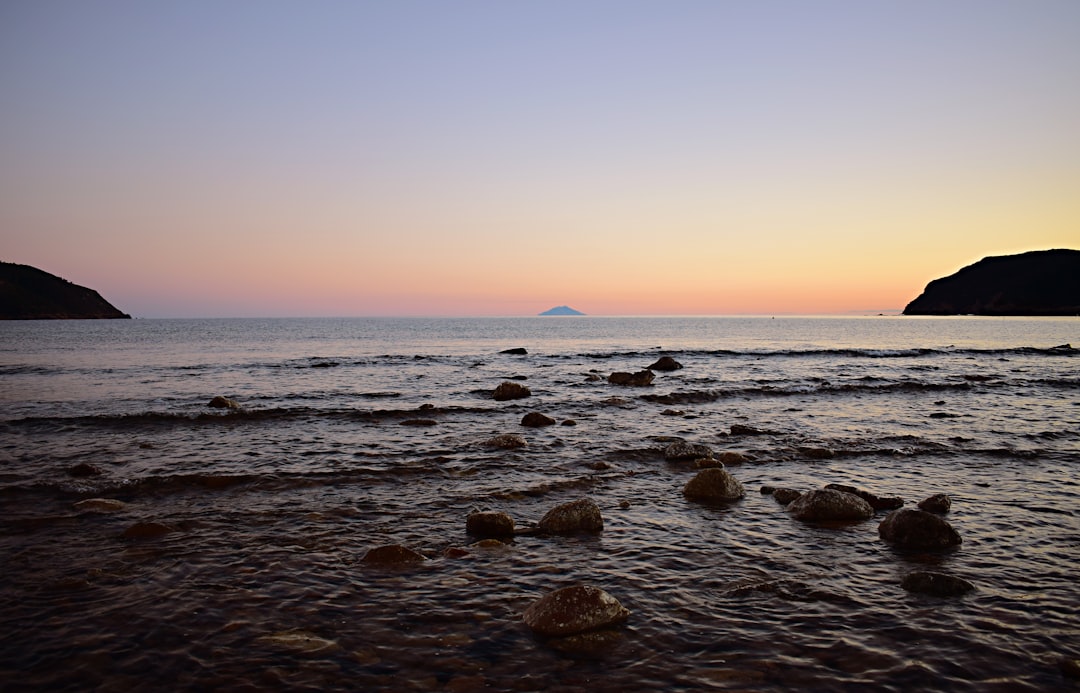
(83, 470)
(100, 505)
(828, 505)
(786, 496)
(220, 402)
(419, 422)
(741, 430)
(518, 351)
(490, 524)
(573, 610)
(939, 584)
(713, 485)
(569, 422)
(639, 379)
(27, 293)
(535, 419)
(683, 451)
(1070, 667)
(708, 463)
(392, 554)
(508, 390)
(147, 530)
(733, 458)
(876, 502)
(816, 453)
(507, 441)
(582, 515)
(939, 503)
(917, 530)
(1041, 282)
(665, 363)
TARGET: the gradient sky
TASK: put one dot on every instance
(264, 158)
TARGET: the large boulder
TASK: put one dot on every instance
(490, 524)
(918, 530)
(829, 505)
(713, 484)
(582, 515)
(573, 610)
(639, 379)
(510, 390)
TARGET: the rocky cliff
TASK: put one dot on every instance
(27, 293)
(1042, 282)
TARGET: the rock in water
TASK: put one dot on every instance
(938, 584)
(680, 450)
(876, 502)
(535, 419)
(938, 503)
(824, 505)
(508, 390)
(392, 554)
(639, 379)
(220, 402)
(665, 363)
(506, 441)
(100, 505)
(490, 524)
(917, 530)
(573, 610)
(713, 484)
(582, 515)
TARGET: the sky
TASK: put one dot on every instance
(469, 158)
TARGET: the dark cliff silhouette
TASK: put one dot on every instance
(1042, 282)
(27, 293)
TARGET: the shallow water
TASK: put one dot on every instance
(259, 582)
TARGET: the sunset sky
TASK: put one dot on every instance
(265, 158)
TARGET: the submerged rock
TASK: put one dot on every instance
(516, 351)
(535, 419)
(573, 610)
(680, 450)
(490, 524)
(876, 502)
(784, 496)
(814, 453)
(918, 530)
(507, 441)
(742, 430)
(939, 584)
(100, 505)
(939, 503)
(300, 641)
(714, 484)
(733, 458)
(509, 390)
(83, 470)
(665, 363)
(824, 505)
(147, 530)
(220, 402)
(639, 379)
(392, 554)
(582, 515)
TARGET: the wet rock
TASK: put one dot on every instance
(639, 379)
(824, 505)
(786, 496)
(876, 502)
(535, 419)
(733, 458)
(1070, 666)
(84, 470)
(582, 515)
(938, 584)
(682, 451)
(419, 422)
(816, 453)
(392, 554)
(300, 641)
(939, 503)
(593, 378)
(917, 530)
(665, 363)
(573, 610)
(455, 552)
(100, 505)
(713, 485)
(741, 430)
(708, 463)
(220, 402)
(517, 351)
(673, 412)
(490, 524)
(506, 441)
(508, 390)
(147, 530)
(569, 422)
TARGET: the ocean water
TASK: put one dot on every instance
(357, 433)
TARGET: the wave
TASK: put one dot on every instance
(705, 396)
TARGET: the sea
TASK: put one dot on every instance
(223, 548)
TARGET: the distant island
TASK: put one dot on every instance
(562, 310)
(27, 293)
(1041, 282)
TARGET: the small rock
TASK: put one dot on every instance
(569, 422)
(917, 530)
(83, 470)
(639, 379)
(673, 412)
(508, 390)
(301, 642)
(220, 402)
(816, 453)
(100, 505)
(490, 524)
(506, 441)
(147, 530)
(708, 463)
(733, 458)
(573, 610)
(535, 419)
(419, 422)
(593, 378)
(582, 515)
(392, 554)
(455, 552)
(938, 584)
(517, 351)
(876, 502)
(712, 485)
(939, 503)
(786, 496)
(686, 451)
(741, 430)
(665, 363)
(824, 505)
